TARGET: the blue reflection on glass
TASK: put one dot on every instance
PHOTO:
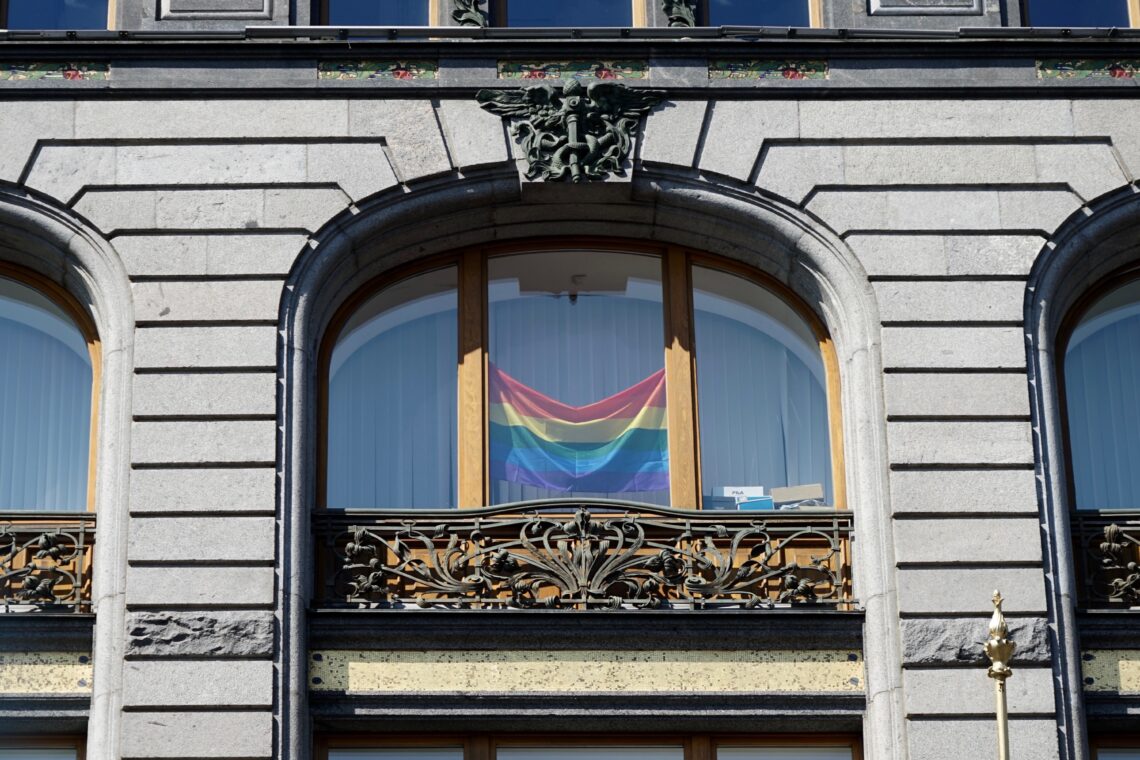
(378, 12)
(1082, 13)
(57, 14)
(577, 13)
(758, 13)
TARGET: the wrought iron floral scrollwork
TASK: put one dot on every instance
(573, 132)
(599, 557)
(44, 562)
(468, 13)
(680, 12)
(1117, 554)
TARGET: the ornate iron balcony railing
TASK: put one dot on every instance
(1107, 552)
(582, 555)
(45, 561)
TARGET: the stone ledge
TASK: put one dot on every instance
(53, 632)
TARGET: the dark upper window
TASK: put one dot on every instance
(1077, 13)
(567, 13)
(54, 14)
(46, 379)
(754, 13)
(579, 372)
(377, 13)
(1102, 395)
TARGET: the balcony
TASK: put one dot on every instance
(1107, 553)
(45, 561)
(575, 555)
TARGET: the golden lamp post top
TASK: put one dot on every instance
(999, 648)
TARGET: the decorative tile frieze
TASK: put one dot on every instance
(1087, 68)
(358, 70)
(585, 69)
(588, 671)
(16, 72)
(768, 69)
(45, 673)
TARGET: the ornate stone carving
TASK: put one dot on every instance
(577, 557)
(573, 132)
(468, 13)
(680, 12)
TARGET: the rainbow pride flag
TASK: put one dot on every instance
(616, 445)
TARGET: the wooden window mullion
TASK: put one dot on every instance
(472, 416)
(680, 382)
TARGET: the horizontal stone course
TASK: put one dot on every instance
(932, 117)
(231, 394)
(956, 641)
(203, 442)
(256, 300)
(953, 347)
(951, 395)
(217, 684)
(217, 118)
(964, 491)
(203, 490)
(199, 587)
(737, 130)
(950, 301)
(192, 539)
(185, 735)
(968, 541)
(935, 255)
(204, 347)
(969, 691)
(982, 443)
(966, 590)
(209, 254)
(958, 739)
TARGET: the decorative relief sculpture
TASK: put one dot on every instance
(573, 132)
(680, 12)
(614, 558)
(468, 13)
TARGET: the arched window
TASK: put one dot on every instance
(48, 373)
(596, 372)
(1101, 381)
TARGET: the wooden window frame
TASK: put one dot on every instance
(54, 292)
(484, 747)
(1117, 278)
(1126, 741)
(679, 357)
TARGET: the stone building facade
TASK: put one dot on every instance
(211, 182)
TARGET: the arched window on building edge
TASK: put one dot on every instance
(597, 372)
(1098, 349)
(49, 386)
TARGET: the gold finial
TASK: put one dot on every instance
(999, 648)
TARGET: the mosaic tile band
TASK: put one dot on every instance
(768, 69)
(362, 70)
(20, 72)
(586, 69)
(1056, 68)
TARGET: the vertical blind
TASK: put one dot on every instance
(45, 404)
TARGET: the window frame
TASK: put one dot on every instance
(75, 742)
(677, 262)
(498, 10)
(483, 747)
(321, 12)
(1124, 741)
(59, 295)
(815, 13)
(1102, 287)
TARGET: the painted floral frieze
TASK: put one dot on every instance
(20, 72)
(768, 69)
(599, 70)
(1087, 68)
(357, 70)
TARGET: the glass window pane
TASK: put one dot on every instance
(392, 399)
(1118, 754)
(378, 12)
(45, 403)
(433, 753)
(577, 13)
(761, 392)
(1102, 395)
(783, 753)
(758, 13)
(1078, 13)
(590, 753)
(577, 379)
(38, 754)
(57, 14)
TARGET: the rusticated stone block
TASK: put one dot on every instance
(942, 641)
(215, 634)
